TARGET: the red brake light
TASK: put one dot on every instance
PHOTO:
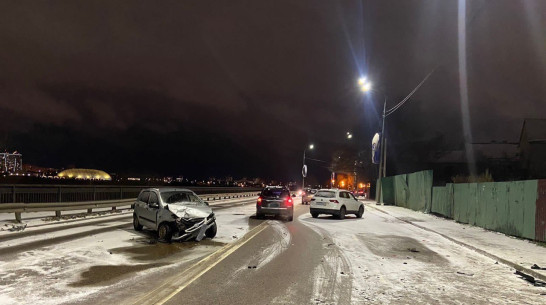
(289, 202)
(334, 201)
(259, 201)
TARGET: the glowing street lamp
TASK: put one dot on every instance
(364, 84)
(349, 135)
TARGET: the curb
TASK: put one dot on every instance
(519, 268)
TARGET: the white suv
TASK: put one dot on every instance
(335, 202)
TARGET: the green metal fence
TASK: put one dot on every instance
(412, 191)
(507, 207)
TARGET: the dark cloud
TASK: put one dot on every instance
(246, 84)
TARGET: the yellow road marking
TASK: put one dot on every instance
(221, 254)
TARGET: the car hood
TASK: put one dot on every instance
(189, 211)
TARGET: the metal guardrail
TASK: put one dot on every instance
(58, 207)
(28, 193)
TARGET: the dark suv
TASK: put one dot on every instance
(275, 200)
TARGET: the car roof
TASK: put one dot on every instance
(167, 189)
(333, 190)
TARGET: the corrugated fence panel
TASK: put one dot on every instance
(439, 200)
(529, 202)
(460, 202)
(540, 214)
(401, 190)
(387, 188)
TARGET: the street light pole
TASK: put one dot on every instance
(380, 175)
(381, 158)
(303, 176)
(366, 86)
(303, 167)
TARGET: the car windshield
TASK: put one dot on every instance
(182, 198)
(326, 194)
(276, 192)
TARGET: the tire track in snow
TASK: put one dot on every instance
(333, 277)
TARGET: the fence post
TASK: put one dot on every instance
(13, 193)
(59, 194)
(121, 193)
(94, 193)
(18, 217)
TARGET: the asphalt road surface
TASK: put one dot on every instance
(374, 260)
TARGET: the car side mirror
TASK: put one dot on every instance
(206, 203)
(154, 205)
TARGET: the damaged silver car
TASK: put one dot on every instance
(176, 214)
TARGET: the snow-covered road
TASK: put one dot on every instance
(81, 260)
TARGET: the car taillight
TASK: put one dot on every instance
(334, 201)
(259, 202)
(289, 202)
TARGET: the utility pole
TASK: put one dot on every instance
(302, 171)
(381, 158)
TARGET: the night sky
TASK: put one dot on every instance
(215, 88)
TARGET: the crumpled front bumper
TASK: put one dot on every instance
(196, 231)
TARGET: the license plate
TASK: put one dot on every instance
(320, 203)
(273, 205)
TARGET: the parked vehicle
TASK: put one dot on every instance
(276, 201)
(307, 195)
(175, 213)
(335, 202)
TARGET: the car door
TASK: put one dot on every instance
(148, 216)
(140, 207)
(354, 200)
(347, 201)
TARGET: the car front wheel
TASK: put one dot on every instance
(211, 232)
(164, 232)
(360, 212)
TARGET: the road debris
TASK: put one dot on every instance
(17, 228)
(531, 279)
(537, 267)
(464, 273)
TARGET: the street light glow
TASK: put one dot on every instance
(366, 87)
(311, 146)
(364, 84)
(361, 81)
(349, 135)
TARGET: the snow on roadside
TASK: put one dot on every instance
(46, 274)
(43, 275)
(385, 269)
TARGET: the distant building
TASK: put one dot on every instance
(38, 171)
(501, 159)
(532, 148)
(84, 174)
(11, 162)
